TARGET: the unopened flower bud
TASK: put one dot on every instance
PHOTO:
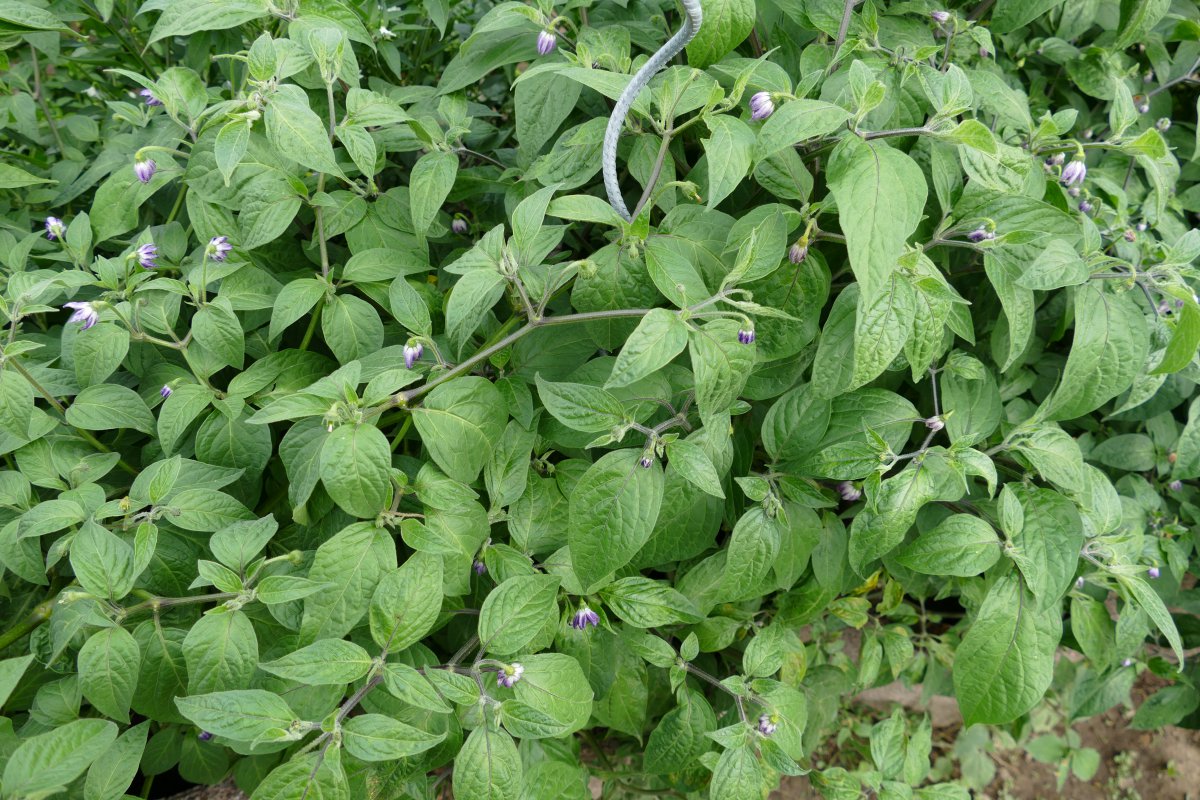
(1163, 124)
(460, 226)
(147, 255)
(1085, 206)
(1154, 573)
(1079, 582)
(546, 42)
(1127, 662)
(797, 252)
(144, 170)
(1074, 172)
(584, 618)
(412, 354)
(767, 725)
(1130, 235)
(746, 337)
(850, 492)
(1143, 108)
(149, 97)
(1057, 159)
(940, 17)
(166, 391)
(935, 423)
(1175, 485)
(478, 567)
(646, 462)
(204, 736)
(761, 106)
(1148, 77)
(1141, 226)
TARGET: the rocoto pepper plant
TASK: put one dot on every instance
(356, 445)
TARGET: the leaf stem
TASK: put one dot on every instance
(40, 614)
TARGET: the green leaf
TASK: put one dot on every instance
(737, 775)
(375, 737)
(45, 764)
(720, 363)
(555, 685)
(99, 353)
(727, 151)
(644, 603)
(218, 330)
(1185, 340)
(692, 462)
(1108, 351)
(882, 327)
(352, 327)
(107, 407)
(103, 562)
(296, 131)
(109, 662)
(406, 602)
(356, 468)
(680, 735)
(293, 302)
(516, 611)
(1143, 594)
(383, 264)
(1006, 661)
(14, 177)
(724, 25)
(1050, 540)
(458, 421)
(181, 19)
(658, 338)
(221, 651)
(797, 121)
(581, 407)
(961, 545)
(431, 180)
(613, 509)
(113, 772)
(1004, 273)
(237, 545)
(239, 714)
(230, 146)
(17, 16)
(206, 510)
(11, 670)
(487, 767)
(753, 546)
(1057, 266)
(324, 663)
(413, 688)
(472, 298)
(306, 776)
(1137, 18)
(880, 194)
(354, 561)
(180, 410)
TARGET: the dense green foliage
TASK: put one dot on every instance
(354, 445)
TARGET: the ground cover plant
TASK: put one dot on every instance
(355, 444)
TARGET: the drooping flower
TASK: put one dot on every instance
(546, 42)
(149, 97)
(147, 255)
(849, 491)
(746, 337)
(1143, 108)
(204, 736)
(767, 724)
(1175, 485)
(85, 314)
(1127, 662)
(144, 170)
(585, 617)
(1141, 226)
(797, 252)
(1085, 206)
(940, 17)
(935, 424)
(509, 675)
(385, 33)
(1079, 582)
(166, 391)
(412, 354)
(761, 106)
(1074, 173)
(646, 462)
(1154, 573)
(1057, 159)
(219, 247)
(980, 234)
(54, 228)
(460, 226)
(479, 567)
(1163, 124)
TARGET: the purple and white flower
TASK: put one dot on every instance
(1154, 572)
(1127, 662)
(149, 97)
(761, 106)
(746, 336)
(980, 234)
(144, 170)
(646, 462)
(219, 247)
(479, 567)
(1175, 485)
(935, 424)
(1074, 173)
(460, 226)
(166, 391)
(797, 253)
(54, 228)
(767, 724)
(849, 491)
(204, 736)
(147, 255)
(546, 42)
(1085, 207)
(412, 354)
(585, 617)
(509, 675)
(940, 17)
(85, 314)
(1079, 582)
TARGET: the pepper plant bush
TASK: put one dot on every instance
(355, 446)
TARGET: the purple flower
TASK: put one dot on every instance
(509, 675)
(85, 314)
(1085, 207)
(746, 337)
(546, 42)
(980, 234)
(1074, 173)
(1154, 573)
(646, 462)
(1143, 108)
(585, 617)
(935, 424)
(1163, 307)
(146, 255)
(1079, 582)
(479, 567)
(797, 253)
(412, 354)
(1141, 226)
(1175, 486)
(1073, 191)
(144, 170)
(166, 391)
(940, 17)
(849, 491)
(54, 228)
(149, 97)
(761, 106)
(767, 725)
(219, 247)
(1127, 662)
(460, 226)
(1130, 235)
(204, 736)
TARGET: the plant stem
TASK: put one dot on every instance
(654, 173)
(847, 12)
(41, 101)
(40, 614)
(312, 324)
